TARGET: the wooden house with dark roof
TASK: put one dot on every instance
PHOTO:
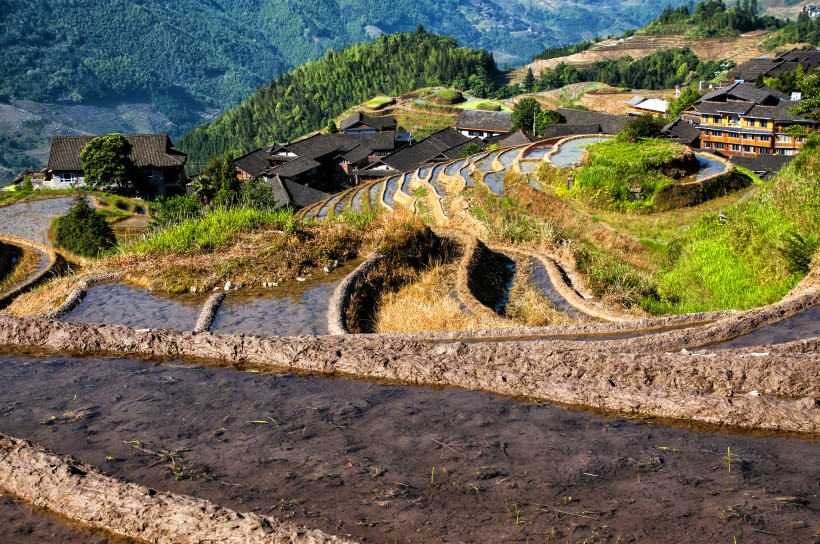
(745, 120)
(773, 66)
(607, 122)
(290, 194)
(361, 123)
(682, 132)
(484, 124)
(439, 146)
(162, 166)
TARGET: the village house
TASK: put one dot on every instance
(162, 166)
(742, 119)
(361, 123)
(772, 66)
(484, 124)
(640, 105)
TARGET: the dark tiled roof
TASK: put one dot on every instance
(682, 131)
(379, 123)
(730, 106)
(744, 91)
(456, 151)
(255, 162)
(495, 121)
(358, 153)
(290, 193)
(809, 58)
(609, 123)
(559, 130)
(316, 146)
(519, 137)
(411, 157)
(763, 165)
(296, 167)
(146, 150)
(377, 141)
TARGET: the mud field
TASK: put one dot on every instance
(386, 463)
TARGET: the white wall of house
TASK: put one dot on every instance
(480, 133)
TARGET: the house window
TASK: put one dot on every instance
(719, 145)
(735, 147)
(781, 138)
(747, 148)
(788, 151)
(717, 133)
(765, 151)
(707, 145)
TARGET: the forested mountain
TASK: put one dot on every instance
(305, 99)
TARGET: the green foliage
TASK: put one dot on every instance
(301, 101)
(524, 113)
(661, 70)
(107, 166)
(801, 30)
(170, 211)
(688, 96)
(641, 127)
(712, 18)
(214, 230)
(84, 231)
(448, 96)
(752, 254)
(257, 194)
(488, 106)
(469, 149)
(563, 51)
(529, 81)
(546, 118)
(809, 85)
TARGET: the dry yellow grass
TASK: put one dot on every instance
(26, 265)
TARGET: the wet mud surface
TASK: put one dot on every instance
(803, 325)
(292, 310)
(31, 220)
(401, 464)
(20, 524)
(120, 304)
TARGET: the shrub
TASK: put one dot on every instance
(84, 231)
(488, 106)
(170, 211)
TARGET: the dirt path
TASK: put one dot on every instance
(409, 464)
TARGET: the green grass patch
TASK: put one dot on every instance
(214, 230)
(378, 102)
(745, 257)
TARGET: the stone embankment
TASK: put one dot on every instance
(50, 263)
(80, 492)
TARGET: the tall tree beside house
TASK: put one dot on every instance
(688, 96)
(524, 113)
(809, 85)
(529, 81)
(107, 165)
(84, 231)
(546, 118)
(222, 173)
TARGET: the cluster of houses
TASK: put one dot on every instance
(750, 125)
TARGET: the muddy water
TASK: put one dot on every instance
(402, 464)
(571, 152)
(486, 164)
(453, 169)
(528, 167)
(373, 194)
(119, 304)
(508, 157)
(537, 153)
(434, 181)
(357, 203)
(709, 167)
(405, 184)
(423, 172)
(465, 175)
(390, 192)
(294, 309)
(495, 182)
(803, 325)
(340, 206)
(324, 211)
(22, 524)
(541, 279)
(31, 220)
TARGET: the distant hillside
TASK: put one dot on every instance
(305, 99)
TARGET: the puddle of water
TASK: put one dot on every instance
(508, 157)
(120, 304)
(486, 164)
(495, 181)
(294, 309)
(405, 184)
(537, 153)
(31, 220)
(390, 193)
(541, 279)
(803, 325)
(465, 175)
(453, 169)
(571, 152)
(709, 167)
(373, 193)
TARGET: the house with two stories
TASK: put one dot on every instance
(161, 166)
(484, 124)
(745, 120)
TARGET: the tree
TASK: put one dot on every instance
(529, 81)
(222, 174)
(107, 165)
(524, 112)
(84, 231)
(809, 85)
(331, 127)
(642, 126)
(688, 96)
(546, 118)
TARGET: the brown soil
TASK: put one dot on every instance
(402, 464)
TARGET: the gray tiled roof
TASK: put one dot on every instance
(609, 123)
(744, 91)
(290, 193)
(411, 157)
(682, 131)
(495, 121)
(730, 106)
(146, 150)
(562, 129)
(296, 167)
(762, 164)
(255, 162)
(379, 123)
